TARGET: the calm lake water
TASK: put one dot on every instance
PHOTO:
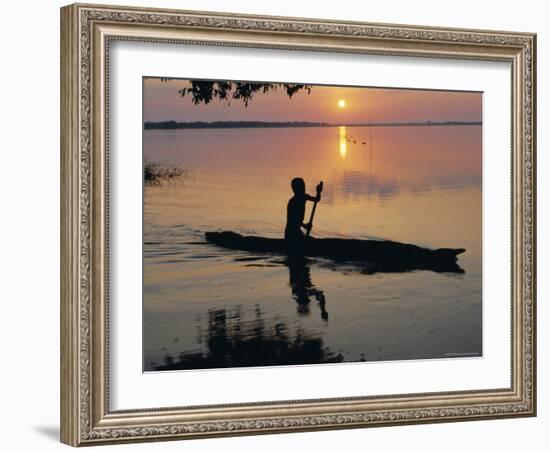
(209, 307)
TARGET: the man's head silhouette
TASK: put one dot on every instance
(298, 186)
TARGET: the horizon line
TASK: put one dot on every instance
(172, 124)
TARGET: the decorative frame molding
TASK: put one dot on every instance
(86, 31)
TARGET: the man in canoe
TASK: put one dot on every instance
(295, 212)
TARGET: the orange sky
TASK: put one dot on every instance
(162, 102)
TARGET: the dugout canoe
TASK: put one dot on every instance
(385, 255)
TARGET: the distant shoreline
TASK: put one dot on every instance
(173, 125)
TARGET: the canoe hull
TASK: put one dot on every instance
(386, 255)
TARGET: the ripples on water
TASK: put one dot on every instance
(206, 307)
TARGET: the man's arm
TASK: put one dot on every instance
(317, 198)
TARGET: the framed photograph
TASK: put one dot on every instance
(277, 224)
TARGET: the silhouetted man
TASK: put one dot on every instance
(295, 212)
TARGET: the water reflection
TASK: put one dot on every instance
(302, 288)
(357, 184)
(232, 340)
(343, 142)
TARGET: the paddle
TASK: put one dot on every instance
(319, 190)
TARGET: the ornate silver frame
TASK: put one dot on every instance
(86, 31)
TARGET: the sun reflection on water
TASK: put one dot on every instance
(343, 142)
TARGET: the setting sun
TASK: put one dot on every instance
(341, 103)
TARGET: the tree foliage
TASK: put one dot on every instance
(206, 91)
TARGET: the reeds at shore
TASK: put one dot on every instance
(155, 173)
